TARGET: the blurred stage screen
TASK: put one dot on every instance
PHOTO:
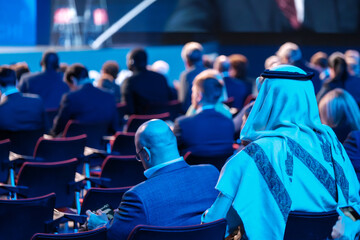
(42, 22)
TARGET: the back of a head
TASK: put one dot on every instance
(111, 68)
(50, 60)
(289, 53)
(210, 87)
(137, 59)
(192, 53)
(157, 136)
(320, 59)
(239, 64)
(77, 71)
(338, 64)
(7, 77)
(339, 107)
(222, 64)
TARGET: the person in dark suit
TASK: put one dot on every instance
(352, 148)
(48, 84)
(352, 85)
(208, 132)
(109, 72)
(85, 103)
(19, 111)
(192, 57)
(234, 88)
(264, 16)
(145, 90)
(174, 194)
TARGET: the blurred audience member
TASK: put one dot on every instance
(191, 54)
(84, 103)
(235, 89)
(19, 111)
(352, 84)
(238, 70)
(63, 67)
(272, 61)
(240, 119)
(352, 148)
(208, 132)
(338, 75)
(48, 84)
(352, 58)
(319, 61)
(144, 90)
(163, 68)
(290, 53)
(109, 72)
(339, 111)
(20, 68)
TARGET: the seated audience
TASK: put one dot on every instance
(20, 68)
(174, 194)
(191, 54)
(235, 89)
(145, 90)
(208, 132)
(19, 111)
(319, 61)
(272, 61)
(84, 103)
(109, 72)
(290, 53)
(48, 84)
(288, 164)
(338, 75)
(339, 111)
(238, 70)
(352, 84)
(352, 58)
(163, 68)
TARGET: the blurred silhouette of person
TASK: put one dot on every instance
(265, 16)
(48, 83)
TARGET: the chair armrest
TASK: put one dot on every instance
(7, 188)
(99, 180)
(61, 217)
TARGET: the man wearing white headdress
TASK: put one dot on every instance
(292, 163)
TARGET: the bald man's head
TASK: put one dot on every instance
(158, 141)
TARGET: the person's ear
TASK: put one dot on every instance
(199, 96)
(147, 154)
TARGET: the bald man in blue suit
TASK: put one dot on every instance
(174, 194)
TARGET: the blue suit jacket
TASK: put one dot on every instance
(49, 85)
(86, 105)
(175, 195)
(206, 133)
(20, 111)
(186, 79)
(237, 89)
(352, 147)
(143, 91)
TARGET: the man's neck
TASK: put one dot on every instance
(151, 171)
(205, 107)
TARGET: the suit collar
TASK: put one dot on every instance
(170, 168)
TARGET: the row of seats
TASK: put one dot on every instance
(300, 225)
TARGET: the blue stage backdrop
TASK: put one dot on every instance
(24, 22)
